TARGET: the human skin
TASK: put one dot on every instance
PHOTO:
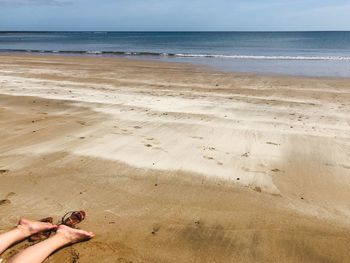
(39, 252)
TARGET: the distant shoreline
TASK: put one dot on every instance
(172, 59)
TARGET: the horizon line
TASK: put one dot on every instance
(172, 31)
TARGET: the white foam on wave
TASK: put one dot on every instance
(188, 55)
(266, 57)
(93, 52)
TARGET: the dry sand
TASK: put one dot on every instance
(176, 163)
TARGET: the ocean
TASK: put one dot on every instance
(289, 53)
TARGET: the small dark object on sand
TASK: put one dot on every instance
(71, 219)
(3, 171)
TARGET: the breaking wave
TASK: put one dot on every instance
(181, 55)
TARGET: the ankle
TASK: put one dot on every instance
(23, 231)
(63, 237)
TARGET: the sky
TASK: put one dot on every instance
(174, 15)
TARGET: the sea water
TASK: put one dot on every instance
(291, 53)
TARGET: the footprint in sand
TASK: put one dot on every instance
(276, 170)
(156, 229)
(257, 189)
(197, 137)
(197, 222)
(273, 143)
(4, 171)
(204, 148)
(5, 202)
(10, 194)
(151, 142)
(81, 122)
(252, 171)
(247, 154)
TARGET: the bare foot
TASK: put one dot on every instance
(32, 227)
(74, 235)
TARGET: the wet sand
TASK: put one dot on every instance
(176, 163)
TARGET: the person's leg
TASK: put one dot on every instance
(24, 229)
(63, 237)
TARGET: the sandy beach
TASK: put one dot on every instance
(176, 163)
